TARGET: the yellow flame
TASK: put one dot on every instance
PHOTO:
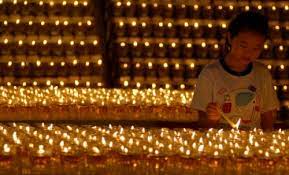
(238, 124)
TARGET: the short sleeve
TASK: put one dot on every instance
(270, 100)
(203, 93)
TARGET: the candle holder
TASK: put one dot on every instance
(181, 11)
(207, 12)
(71, 160)
(177, 72)
(151, 71)
(197, 30)
(41, 159)
(138, 68)
(133, 29)
(117, 9)
(171, 30)
(7, 157)
(122, 49)
(275, 32)
(125, 68)
(148, 49)
(221, 31)
(195, 11)
(268, 51)
(192, 71)
(119, 29)
(210, 31)
(168, 10)
(281, 72)
(156, 9)
(272, 12)
(21, 70)
(160, 50)
(59, 66)
(185, 30)
(201, 50)
(214, 51)
(231, 9)
(136, 49)
(158, 29)
(146, 29)
(281, 51)
(220, 11)
(174, 50)
(163, 69)
(143, 9)
(283, 11)
(130, 9)
(188, 50)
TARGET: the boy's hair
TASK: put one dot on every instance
(249, 21)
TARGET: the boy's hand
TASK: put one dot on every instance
(213, 112)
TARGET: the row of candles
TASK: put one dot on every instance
(209, 10)
(42, 21)
(180, 69)
(53, 144)
(91, 81)
(39, 63)
(188, 49)
(64, 103)
(186, 23)
(50, 2)
(183, 29)
(54, 95)
(48, 40)
(196, 6)
(31, 96)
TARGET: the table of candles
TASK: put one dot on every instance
(49, 143)
(47, 148)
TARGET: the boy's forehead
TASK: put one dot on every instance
(250, 37)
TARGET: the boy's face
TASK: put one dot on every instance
(247, 46)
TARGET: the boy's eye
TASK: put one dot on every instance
(243, 46)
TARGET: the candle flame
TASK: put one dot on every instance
(238, 124)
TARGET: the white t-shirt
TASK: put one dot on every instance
(244, 97)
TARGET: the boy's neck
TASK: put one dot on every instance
(235, 66)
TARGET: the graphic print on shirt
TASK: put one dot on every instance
(242, 103)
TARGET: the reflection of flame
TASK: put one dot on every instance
(238, 124)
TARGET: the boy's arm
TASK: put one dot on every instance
(204, 122)
(268, 119)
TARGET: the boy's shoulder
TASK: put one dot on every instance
(212, 66)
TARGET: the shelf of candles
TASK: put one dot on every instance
(49, 147)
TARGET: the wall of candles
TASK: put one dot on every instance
(47, 43)
(167, 43)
